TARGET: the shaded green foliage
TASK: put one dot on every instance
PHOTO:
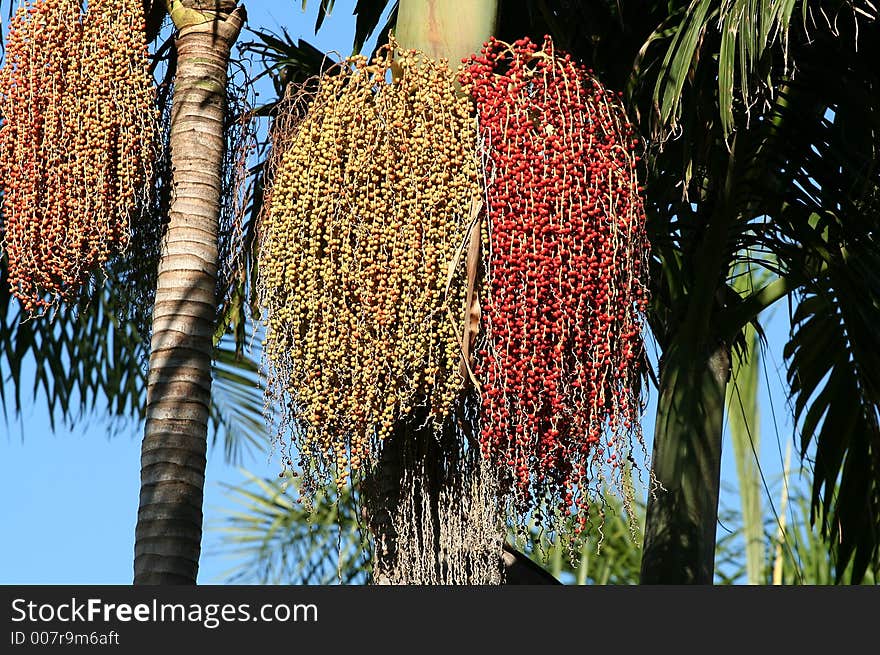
(79, 356)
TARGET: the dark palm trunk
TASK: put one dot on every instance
(679, 545)
(682, 514)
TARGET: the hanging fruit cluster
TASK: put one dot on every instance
(360, 259)
(76, 142)
(375, 196)
(566, 267)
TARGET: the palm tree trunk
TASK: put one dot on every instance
(682, 514)
(679, 544)
(169, 526)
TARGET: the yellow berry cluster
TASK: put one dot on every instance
(361, 266)
(76, 141)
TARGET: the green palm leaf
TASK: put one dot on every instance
(738, 39)
(275, 540)
(237, 406)
(834, 373)
(80, 355)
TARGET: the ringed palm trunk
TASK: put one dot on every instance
(446, 28)
(169, 525)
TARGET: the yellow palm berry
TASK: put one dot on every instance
(365, 217)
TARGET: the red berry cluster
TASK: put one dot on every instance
(566, 269)
(76, 141)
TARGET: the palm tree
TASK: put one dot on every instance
(92, 352)
(169, 526)
(776, 177)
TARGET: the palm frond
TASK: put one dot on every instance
(237, 407)
(739, 41)
(275, 540)
(804, 557)
(821, 168)
(80, 355)
(834, 375)
(83, 359)
(369, 13)
(286, 61)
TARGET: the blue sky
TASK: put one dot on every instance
(68, 499)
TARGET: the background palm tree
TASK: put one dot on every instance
(173, 455)
(793, 181)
